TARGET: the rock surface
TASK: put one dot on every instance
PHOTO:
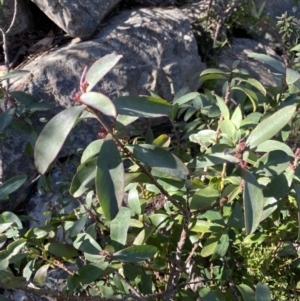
(159, 53)
(23, 21)
(239, 50)
(77, 18)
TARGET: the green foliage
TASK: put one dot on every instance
(221, 194)
(209, 210)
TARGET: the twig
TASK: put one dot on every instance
(133, 290)
(231, 284)
(176, 269)
(14, 17)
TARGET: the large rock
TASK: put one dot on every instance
(239, 50)
(159, 53)
(23, 20)
(78, 18)
(275, 8)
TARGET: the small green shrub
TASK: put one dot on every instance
(209, 210)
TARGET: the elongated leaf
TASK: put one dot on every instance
(12, 185)
(247, 292)
(110, 178)
(297, 190)
(100, 68)
(223, 107)
(212, 160)
(270, 126)
(86, 243)
(90, 272)
(6, 118)
(53, 136)
(12, 74)
(253, 202)
(61, 250)
(253, 82)
(135, 253)
(277, 65)
(210, 245)
(291, 76)
(41, 275)
(251, 94)
(262, 292)
(99, 102)
(91, 150)
(204, 197)
(160, 160)
(119, 226)
(272, 145)
(185, 98)
(78, 226)
(139, 106)
(84, 178)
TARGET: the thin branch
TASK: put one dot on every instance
(176, 269)
(133, 290)
(14, 17)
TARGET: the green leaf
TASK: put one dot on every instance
(142, 106)
(277, 65)
(272, 163)
(272, 145)
(202, 226)
(61, 250)
(212, 160)
(78, 226)
(9, 281)
(291, 76)
(134, 201)
(12, 185)
(205, 137)
(253, 202)
(6, 118)
(135, 253)
(227, 127)
(53, 136)
(90, 272)
(253, 82)
(262, 292)
(223, 107)
(223, 245)
(86, 243)
(98, 70)
(99, 102)
(280, 185)
(142, 237)
(110, 178)
(210, 245)
(41, 275)
(119, 226)
(185, 98)
(12, 218)
(91, 150)
(22, 97)
(160, 160)
(247, 292)
(204, 197)
(270, 126)
(13, 74)
(237, 117)
(84, 178)
(206, 294)
(297, 190)
(251, 94)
